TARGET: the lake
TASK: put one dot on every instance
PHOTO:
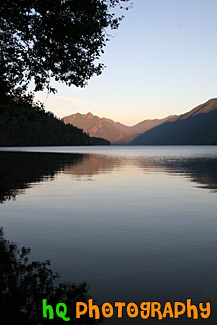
(136, 223)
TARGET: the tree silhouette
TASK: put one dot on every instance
(23, 285)
(41, 39)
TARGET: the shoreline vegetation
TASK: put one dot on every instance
(24, 284)
(45, 41)
(25, 123)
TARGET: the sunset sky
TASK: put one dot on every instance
(161, 61)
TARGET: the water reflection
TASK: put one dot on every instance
(135, 227)
(21, 170)
(201, 170)
(24, 284)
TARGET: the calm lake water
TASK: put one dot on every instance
(136, 223)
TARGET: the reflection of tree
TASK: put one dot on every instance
(23, 285)
(18, 170)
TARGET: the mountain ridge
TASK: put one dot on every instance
(115, 132)
(195, 127)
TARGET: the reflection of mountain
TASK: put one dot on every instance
(195, 127)
(19, 170)
(92, 165)
(200, 170)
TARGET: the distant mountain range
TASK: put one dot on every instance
(198, 126)
(114, 132)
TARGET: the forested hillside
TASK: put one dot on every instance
(24, 123)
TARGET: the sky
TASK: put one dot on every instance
(161, 61)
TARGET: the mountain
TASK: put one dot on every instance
(23, 123)
(115, 132)
(196, 127)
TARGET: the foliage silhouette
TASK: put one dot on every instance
(41, 39)
(24, 284)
